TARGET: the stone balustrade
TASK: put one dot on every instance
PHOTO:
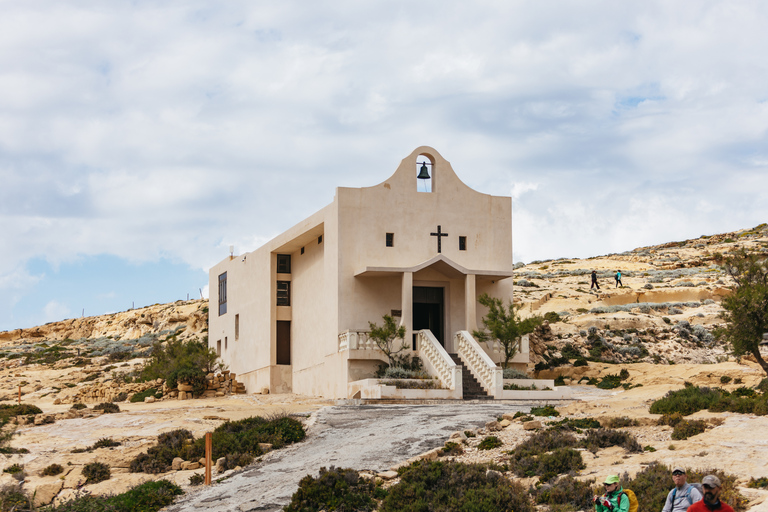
(437, 361)
(356, 340)
(490, 376)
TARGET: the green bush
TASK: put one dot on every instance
(78, 406)
(570, 352)
(334, 489)
(12, 499)
(560, 461)
(107, 407)
(237, 441)
(180, 361)
(139, 397)
(53, 470)
(688, 428)
(95, 472)
(670, 419)
(567, 490)
(757, 484)
(575, 425)
(451, 448)
(147, 497)
(13, 469)
(604, 437)
(725, 379)
(620, 422)
(687, 400)
(547, 410)
(580, 362)
(448, 486)
(489, 443)
(610, 381)
(560, 381)
(105, 442)
(763, 386)
(8, 411)
(196, 479)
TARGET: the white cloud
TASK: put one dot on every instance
(167, 130)
(55, 311)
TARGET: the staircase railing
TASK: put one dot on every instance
(437, 361)
(482, 367)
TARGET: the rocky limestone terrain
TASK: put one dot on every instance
(658, 327)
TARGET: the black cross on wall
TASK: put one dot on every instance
(439, 236)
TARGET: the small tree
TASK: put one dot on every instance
(502, 323)
(746, 308)
(385, 337)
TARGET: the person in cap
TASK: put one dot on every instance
(614, 500)
(683, 495)
(711, 500)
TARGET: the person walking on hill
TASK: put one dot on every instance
(618, 279)
(594, 281)
(711, 501)
(614, 499)
(683, 495)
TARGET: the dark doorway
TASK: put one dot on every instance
(428, 311)
(283, 342)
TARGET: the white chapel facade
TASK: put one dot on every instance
(292, 315)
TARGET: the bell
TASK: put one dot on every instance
(423, 172)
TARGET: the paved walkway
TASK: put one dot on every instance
(371, 437)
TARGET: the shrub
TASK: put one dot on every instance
(725, 379)
(512, 373)
(756, 484)
(185, 361)
(139, 397)
(121, 397)
(567, 491)
(560, 381)
(333, 489)
(670, 419)
(604, 438)
(147, 497)
(620, 422)
(13, 469)
(575, 424)
(107, 407)
(489, 443)
(11, 498)
(451, 448)
(91, 377)
(688, 428)
(686, 401)
(8, 411)
(547, 410)
(580, 362)
(96, 472)
(763, 386)
(570, 352)
(196, 479)
(441, 485)
(78, 406)
(105, 442)
(562, 460)
(52, 470)
(610, 382)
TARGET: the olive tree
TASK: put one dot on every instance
(386, 336)
(503, 323)
(746, 308)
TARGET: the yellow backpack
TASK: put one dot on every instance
(633, 503)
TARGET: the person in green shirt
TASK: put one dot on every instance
(614, 499)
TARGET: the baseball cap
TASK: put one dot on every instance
(678, 469)
(612, 479)
(710, 480)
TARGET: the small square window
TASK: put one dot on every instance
(390, 239)
(320, 239)
(462, 243)
(302, 250)
(283, 263)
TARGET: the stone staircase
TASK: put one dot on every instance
(472, 388)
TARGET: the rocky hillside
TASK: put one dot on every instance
(664, 312)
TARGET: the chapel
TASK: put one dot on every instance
(421, 246)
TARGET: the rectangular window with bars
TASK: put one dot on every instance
(283, 263)
(222, 293)
(283, 293)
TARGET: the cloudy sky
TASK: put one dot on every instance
(139, 139)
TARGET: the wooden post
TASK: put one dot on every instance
(208, 452)
(19, 394)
